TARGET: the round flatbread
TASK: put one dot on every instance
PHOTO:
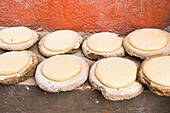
(104, 42)
(61, 68)
(158, 70)
(60, 40)
(116, 72)
(13, 62)
(16, 35)
(148, 40)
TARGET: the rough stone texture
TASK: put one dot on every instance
(120, 16)
(26, 97)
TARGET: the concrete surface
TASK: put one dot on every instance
(31, 99)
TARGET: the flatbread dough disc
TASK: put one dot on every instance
(61, 68)
(116, 72)
(104, 42)
(158, 70)
(16, 35)
(148, 40)
(60, 40)
(13, 62)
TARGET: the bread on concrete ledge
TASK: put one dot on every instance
(17, 66)
(144, 43)
(155, 73)
(115, 77)
(60, 42)
(61, 73)
(103, 45)
(17, 38)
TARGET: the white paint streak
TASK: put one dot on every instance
(27, 88)
(96, 101)
(141, 5)
(11, 92)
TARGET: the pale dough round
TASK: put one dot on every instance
(16, 35)
(60, 40)
(158, 70)
(148, 40)
(13, 62)
(104, 42)
(61, 68)
(116, 72)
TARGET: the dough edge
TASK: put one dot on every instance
(22, 46)
(25, 74)
(47, 53)
(131, 91)
(97, 56)
(155, 88)
(68, 85)
(145, 54)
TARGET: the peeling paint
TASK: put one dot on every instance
(29, 25)
(26, 6)
(18, 0)
(17, 20)
(39, 29)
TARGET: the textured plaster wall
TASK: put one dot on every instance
(120, 16)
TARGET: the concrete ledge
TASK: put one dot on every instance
(31, 99)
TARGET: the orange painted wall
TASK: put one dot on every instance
(120, 16)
